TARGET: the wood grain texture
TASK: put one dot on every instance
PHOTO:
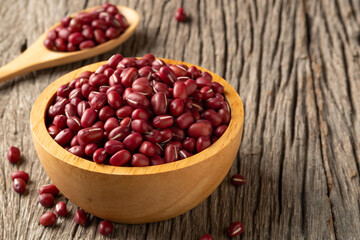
(296, 67)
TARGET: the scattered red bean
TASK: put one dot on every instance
(51, 188)
(60, 209)
(80, 217)
(20, 174)
(235, 229)
(206, 236)
(180, 15)
(48, 219)
(105, 227)
(46, 199)
(13, 155)
(19, 185)
(238, 180)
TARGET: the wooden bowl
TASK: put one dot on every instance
(136, 194)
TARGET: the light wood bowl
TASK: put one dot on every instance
(136, 194)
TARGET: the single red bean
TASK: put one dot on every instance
(76, 93)
(140, 114)
(128, 75)
(86, 74)
(140, 160)
(219, 131)
(207, 92)
(59, 121)
(167, 75)
(88, 33)
(206, 75)
(189, 144)
(99, 36)
(213, 103)
(156, 160)
(158, 149)
(75, 101)
(191, 86)
(203, 82)
(88, 117)
(63, 90)
(99, 155)
(157, 64)
(20, 174)
(90, 135)
(126, 122)
(90, 149)
(176, 107)
(143, 89)
(171, 154)
(206, 236)
(219, 97)
(159, 103)
(87, 44)
(120, 158)
(105, 227)
(179, 70)
(64, 137)
(199, 130)
(184, 120)
(76, 38)
(143, 62)
(74, 123)
(98, 101)
(97, 80)
(166, 134)
(86, 89)
(177, 144)
(119, 133)
(145, 72)
(217, 87)
(141, 80)
(178, 134)
(235, 229)
(114, 99)
(100, 24)
(13, 155)
(70, 110)
(53, 131)
(51, 188)
(133, 141)
(161, 87)
(136, 100)
(193, 72)
(98, 124)
(163, 121)
(113, 146)
(180, 15)
(106, 112)
(109, 72)
(80, 217)
(147, 148)
(60, 209)
(153, 136)
(58, 107)
(46, 199)
(112, 33)
(49, 44)
(127, 63)
(124, 112)
(149, 57)
(85, 17)
(48, 219)
(212, 116)
(238, 180)
(77, 150)
(123, 22)
(111, 123)
(180, 91)
(202, 143)
(19, 185)
(184, 154)
(195, 113)
(117, 88)
(139, 125)
(65, 21)
(114, 60)
(60, 44)
(225, 116)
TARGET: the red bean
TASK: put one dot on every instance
(74, 141)
(225, 116)
(85, 17)
(235, 229)
(180, 15)
(60, 121)
(90, 135)
(122, 20)
(88, 117)
(217, 87)
(143, 89)
(133, 141)
(99, 36)
(106, 112)
(178, 134)
(139, 125)
(145, 72)
(53, 131)
(179, 70)
(161, 87)
(219, 131)
(111, 123)
(159, 103)
(128, 75)
(20, 174)
(171, 154)
(126, 122)
(238, 180)
(49, 44)
(120, 158)
(158, 149)
(99, 155)
(64, 137)
(97, 80)
(136, 100)
(163, 121)
(71, 47)
(166, 134)
(75, 38)
(87, 32)
(63, 90)
(86, 89)
(147, 148)
(119, 133)
(193, 72)
(124, 112)
(167, 75)
(90, 149)
(207, 92)
(199, 130)
(176, 107)
(177, 144)
(189, 144)
(153, 136)
(74, 123)
(114, 60)
(75, 102)
(46, 199)
(184, 120)
(156, 160)
(60, 44)
(114, 99)
(19, 185)
(184, 154)
(202, 143)
(80, 217)
(180, 91)
(105, 227)
(112, 33)
(65, 21)
(13, 155)
(140, 114)
(140, 160)
(87, 44)
(213, 117)
(117, 88)
(206, 236)
(48, 219)
(204, 82)
(51, 188)
(113, 146)
(98, 124)
(77, 150)
(60, 209)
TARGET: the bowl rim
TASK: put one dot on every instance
(41, 135)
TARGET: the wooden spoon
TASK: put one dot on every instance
(37, 56)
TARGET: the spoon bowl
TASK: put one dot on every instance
(136, 194)
(37, 56)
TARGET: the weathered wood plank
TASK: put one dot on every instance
(296, 67)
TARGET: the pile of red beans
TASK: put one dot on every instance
(87, 29)
(138, 112)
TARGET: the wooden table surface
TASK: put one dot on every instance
(296, 67)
